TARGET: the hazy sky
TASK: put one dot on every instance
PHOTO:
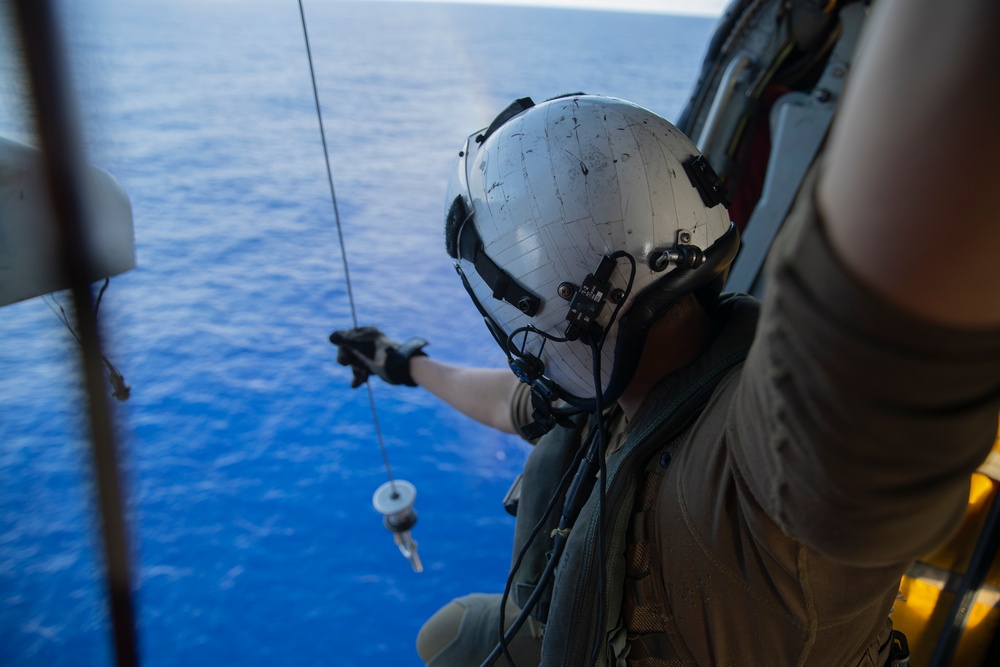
(698, 7)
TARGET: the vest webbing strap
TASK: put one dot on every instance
(649, 641)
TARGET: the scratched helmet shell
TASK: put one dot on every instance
(548, 209)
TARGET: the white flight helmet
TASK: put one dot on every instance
(565, 214)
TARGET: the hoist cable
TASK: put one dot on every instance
(340, 236)
(63, 161)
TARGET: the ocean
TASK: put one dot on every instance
(249, 463)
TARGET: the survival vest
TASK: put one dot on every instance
(570, 610)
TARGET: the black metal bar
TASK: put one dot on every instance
(979, 564)
(57, 132)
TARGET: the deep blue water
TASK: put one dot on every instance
(249, 463)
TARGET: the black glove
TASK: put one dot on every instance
(367, 350)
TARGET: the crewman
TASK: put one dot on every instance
(717, 481)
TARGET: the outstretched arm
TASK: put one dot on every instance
(484, 394)
(910, 182)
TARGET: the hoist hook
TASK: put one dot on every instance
(394, 501)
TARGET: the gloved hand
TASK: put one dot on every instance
(367, 350)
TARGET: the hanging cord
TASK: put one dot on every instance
(603, 475)
(343, 248)
(506, 636)
(602, 491)
(119, 389)
(579, 490)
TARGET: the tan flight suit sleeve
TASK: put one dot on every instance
(520, 407)
(856, 425)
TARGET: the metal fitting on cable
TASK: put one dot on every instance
(394, 501)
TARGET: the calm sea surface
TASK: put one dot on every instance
(249, 463)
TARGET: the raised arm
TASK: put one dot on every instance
(910, 182)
